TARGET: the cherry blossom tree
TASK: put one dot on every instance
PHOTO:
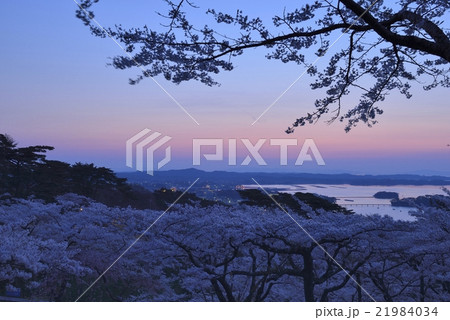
(388, 46)
(60, 251)
(411, 264)
(255, 254)
(30, 262)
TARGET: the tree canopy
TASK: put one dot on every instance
(54, 251)
(26, 172)
(389, 45)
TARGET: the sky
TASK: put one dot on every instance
(56, 89)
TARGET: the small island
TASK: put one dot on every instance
(386, 195)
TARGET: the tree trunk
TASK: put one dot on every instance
(422, 288)
(308, 277)
(358, 287)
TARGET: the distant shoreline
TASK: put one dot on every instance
(181, 177)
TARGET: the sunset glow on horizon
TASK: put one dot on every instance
(64, 96)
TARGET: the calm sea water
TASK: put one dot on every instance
(360, 198)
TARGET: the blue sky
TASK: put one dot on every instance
(57, 90)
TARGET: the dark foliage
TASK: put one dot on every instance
(253, 197)
(25, 172)
(386, 195)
